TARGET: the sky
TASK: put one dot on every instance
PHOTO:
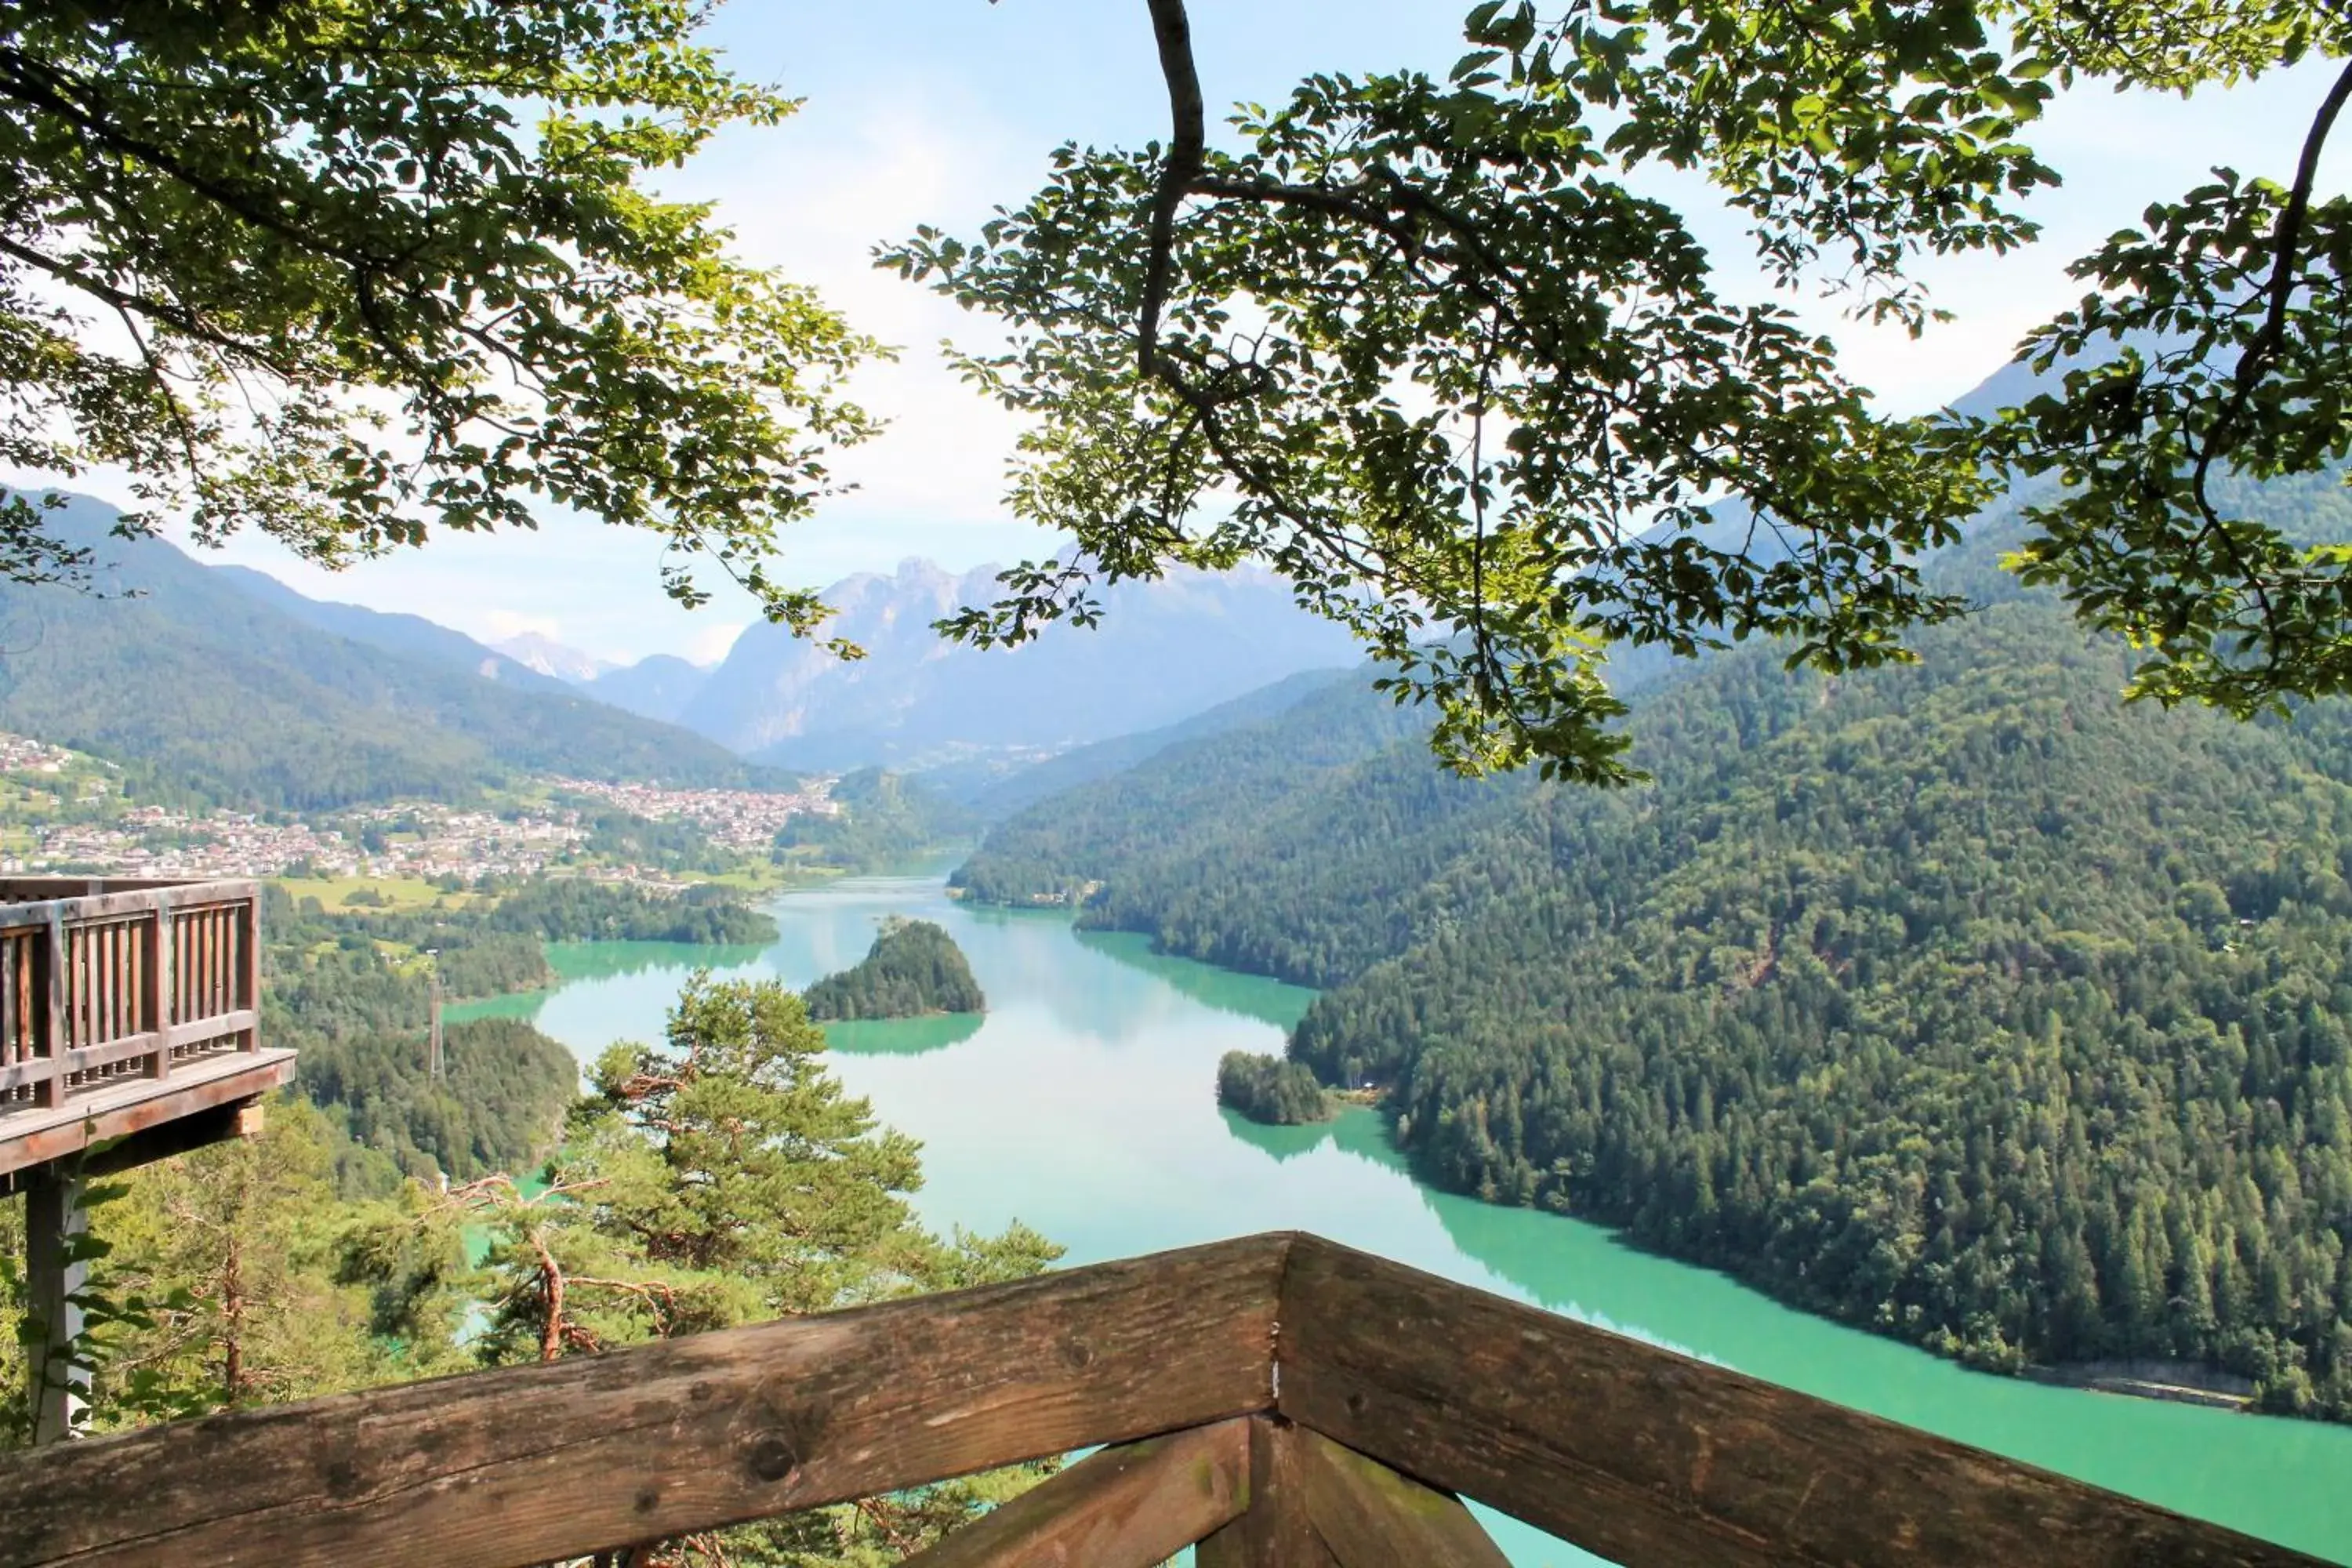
(938, 111)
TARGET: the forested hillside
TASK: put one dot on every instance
(176, 666)
(1000, 795)
(1960, 1001)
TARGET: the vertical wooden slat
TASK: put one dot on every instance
(10, 946)
(183, 950)
(105, 980)
(86, 976)
(50, 1092)
(248, 937)
(158, 986)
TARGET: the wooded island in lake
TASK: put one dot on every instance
(1271, 1091)
(913, 970)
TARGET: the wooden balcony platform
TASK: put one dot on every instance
(1276, 1402)
(129, 1011)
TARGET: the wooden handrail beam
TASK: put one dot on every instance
(1134, 1506)
(1650, 1459)
(535, 1464)
(1630, 1451)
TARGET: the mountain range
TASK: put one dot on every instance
(239, 688)
(224, 683)
(1164, 651)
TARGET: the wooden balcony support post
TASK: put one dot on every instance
(55, 1222)
(1276, 1531)
(1371, 1516)
(1134, 1506)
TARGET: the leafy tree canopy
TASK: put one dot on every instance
(1425, 347)
(352, 271)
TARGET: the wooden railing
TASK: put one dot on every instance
(1277, 1401)
(103, 982)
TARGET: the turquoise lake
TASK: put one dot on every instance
(1084, 1104)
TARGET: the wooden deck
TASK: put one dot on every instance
(125, 1008)
(1279, 1402)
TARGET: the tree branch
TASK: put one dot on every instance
(2286, 241)
(1186, 148)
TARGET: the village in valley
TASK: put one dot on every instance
(62, 812)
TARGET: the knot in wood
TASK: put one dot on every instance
(770, 1456)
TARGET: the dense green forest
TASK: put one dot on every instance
(913, 970)
(183, 669)
(359, 1015)
(1271, 1089)
(1960, 1001)
(885, 821)
(350, 992)
(573, 908)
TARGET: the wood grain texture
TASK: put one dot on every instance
(535, 1464)
(1371, 1516)
(1275, 1532)
(1134, 1506)
(1647, 1457)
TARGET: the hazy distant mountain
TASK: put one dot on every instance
(1165, 650)
(659, 687)
(411, 634)
(1017, 790)
(549, 657)
(229, 683)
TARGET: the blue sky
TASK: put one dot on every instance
(935, 110)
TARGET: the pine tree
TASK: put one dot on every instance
(726, 1177)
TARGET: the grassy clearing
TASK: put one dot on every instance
(394, 893)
